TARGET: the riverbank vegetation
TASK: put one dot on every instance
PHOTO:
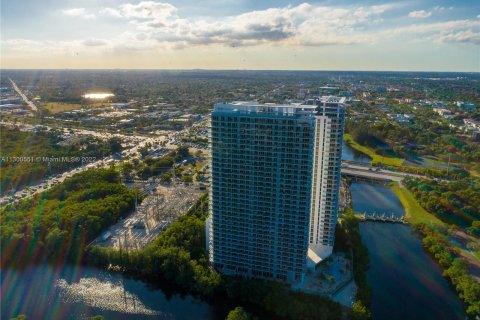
(455, 269)
(414, 213)
(453, 173)
(397, 164)
(239, 314)
(360, 265)
(454, 202)
(59, 223)
(416, 132)
(377, 158)
(434, 233)
(178, 256)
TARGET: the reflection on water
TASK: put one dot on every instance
(97, 95)
(81, 292)
(104, 295)
(378, 199)
(351, 154)
(406, 283)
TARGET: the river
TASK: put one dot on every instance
(406, 282)
(69, 292)
(351, 154)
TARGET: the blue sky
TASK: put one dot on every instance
(242, 34)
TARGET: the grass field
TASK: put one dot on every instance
(413, 211)
(57, 107)
(376, 159)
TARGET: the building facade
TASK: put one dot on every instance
(275, 173)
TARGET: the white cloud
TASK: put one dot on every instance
(94, 42)
(153, 25)
(441, 32)
(148, 10)
(110, 12)
(304, 24)
(444, 26)
(78, 12)
(74, 12)
(467, 36)
(19, 44)
(420, 14)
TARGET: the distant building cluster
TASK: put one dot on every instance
(443, 112)
(11, 104)
(465, 106)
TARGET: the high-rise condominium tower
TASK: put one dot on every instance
(274, 192)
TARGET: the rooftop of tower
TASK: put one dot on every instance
(254, 107)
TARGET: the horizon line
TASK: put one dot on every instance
(235, 70)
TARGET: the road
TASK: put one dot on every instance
(366, 171)
(138, 141)
(33, 189)
(84, 132)
(24, 97)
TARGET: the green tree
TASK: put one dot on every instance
(187, 179)
(474, 229)
(238, 314)
(182, 152)
(115, 144)
(360, 312)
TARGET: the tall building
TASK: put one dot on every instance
(275, 173)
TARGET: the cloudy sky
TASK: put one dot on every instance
(242, 34)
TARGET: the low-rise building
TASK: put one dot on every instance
(471, 124)
(443, 112)
(465, 106)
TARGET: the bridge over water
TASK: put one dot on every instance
(370, 175)
(382, 217)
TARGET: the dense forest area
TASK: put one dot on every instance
(27, 157)
(58, 224)
(455, 202)
(178, 256)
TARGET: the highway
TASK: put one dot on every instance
(132, 152)
(33, 189)
(24, 97)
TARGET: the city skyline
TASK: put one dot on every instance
(296, 35)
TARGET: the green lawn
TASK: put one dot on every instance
(376, 159)
(413, 211)
(57, 107)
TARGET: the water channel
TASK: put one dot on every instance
(79, 292)
(406, 282)
(351, 154)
